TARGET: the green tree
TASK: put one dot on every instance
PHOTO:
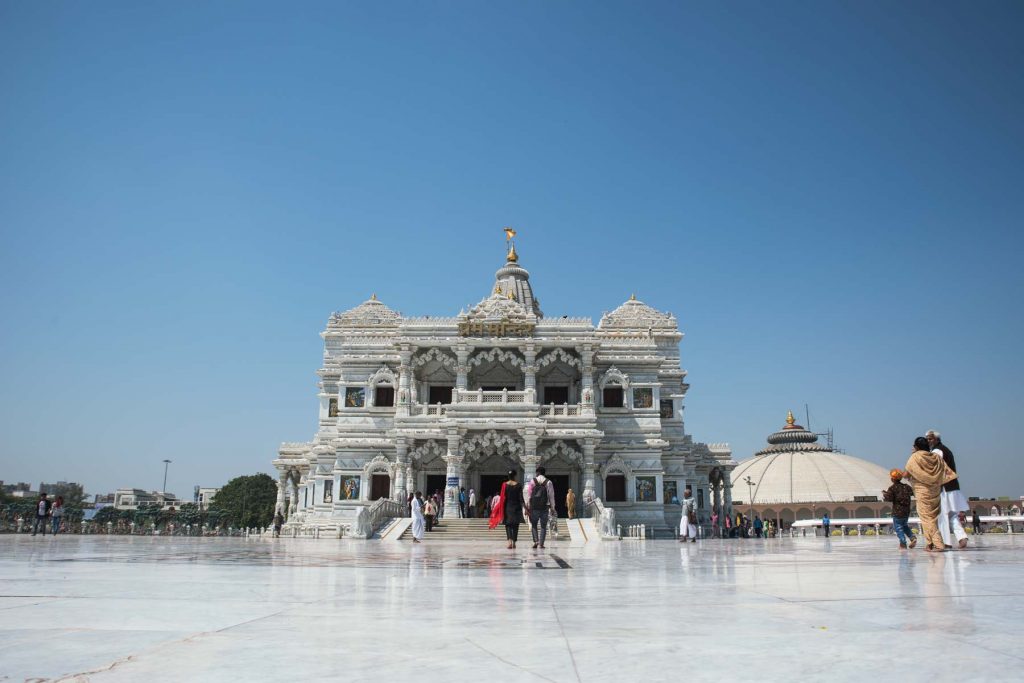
(246, 501)
(107, 514)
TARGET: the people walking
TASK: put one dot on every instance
(471, 504)
(826, 523)
(42, 512)
(952, 500)
(540, 505)
(418, 519)
(928, 472)
(714, 524)
(508, 509)
(899, 495)
(278, 523)
(570, 504)
(758, 526)
(462, 502)
(976, 523)
(688, 519)
(57, 514)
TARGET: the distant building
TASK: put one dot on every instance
(204, 496)
(796, 478)
(131, 499)
(19, 490)
(103, 499)
(60, 485)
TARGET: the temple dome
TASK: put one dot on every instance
(636, 315)
(794, 468)
(513, 279)
(370, 313)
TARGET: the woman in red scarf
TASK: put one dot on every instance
(509, 509)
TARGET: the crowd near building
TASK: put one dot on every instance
(442, 403)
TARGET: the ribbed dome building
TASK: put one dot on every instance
(795, 478)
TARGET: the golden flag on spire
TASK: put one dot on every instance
(509, 234)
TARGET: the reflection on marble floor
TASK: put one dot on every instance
(155, 609)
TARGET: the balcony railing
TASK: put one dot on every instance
(430, 410)
(494, 397)
(564, 410)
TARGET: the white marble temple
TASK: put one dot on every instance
(157, 609)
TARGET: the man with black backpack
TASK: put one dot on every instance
(540, 502)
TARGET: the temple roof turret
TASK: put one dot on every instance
(370, 313)
(636, 315)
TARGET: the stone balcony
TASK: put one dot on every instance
(478, 402)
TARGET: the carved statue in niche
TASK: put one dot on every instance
(332, 407)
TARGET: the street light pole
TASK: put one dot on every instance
(164, 489)
(750, 493)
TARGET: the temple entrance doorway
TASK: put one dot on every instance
(490, 484)
(380, 486)
(435, 483)
(561, 484)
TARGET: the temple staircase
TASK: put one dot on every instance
(464, 530)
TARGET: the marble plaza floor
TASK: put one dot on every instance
(157, 609)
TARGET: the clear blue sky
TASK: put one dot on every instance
(827, 195)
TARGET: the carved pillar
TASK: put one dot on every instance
(587, 385)
(410, 479)
(588, 469)
(404, 370)
(401, 451)
(282, 481)
(530, 373)
(454, 462)
(727, 489)
(294, 503)
(530, 458)
(462, 369)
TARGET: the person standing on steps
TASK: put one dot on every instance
(471, 510)
(462, 502)
(418, 520)
(540, 505)
(570, 504)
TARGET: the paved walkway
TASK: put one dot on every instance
(152, 609)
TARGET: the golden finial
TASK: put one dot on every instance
(790, 420)
(511, 296)
(497, 288)
(509, 233)
(632, 297)
(373, 297)
(513, 257)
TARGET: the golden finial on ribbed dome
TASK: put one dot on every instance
(497, 288)
(790, 420)
(511, 296)
(632, 297)
(512, 257)
(373, 297)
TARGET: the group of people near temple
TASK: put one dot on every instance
(510, 507)
(941, 505)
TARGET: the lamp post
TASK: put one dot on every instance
(750, 488)
(164, 489)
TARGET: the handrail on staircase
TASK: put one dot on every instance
(603, 517)
(370, 518)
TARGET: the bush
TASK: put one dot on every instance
(997, 530)
(869, 532)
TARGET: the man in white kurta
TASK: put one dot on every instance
(688, 520)
(418, 522)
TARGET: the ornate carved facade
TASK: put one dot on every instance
(437, 403)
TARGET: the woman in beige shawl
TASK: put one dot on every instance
(928, 473)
